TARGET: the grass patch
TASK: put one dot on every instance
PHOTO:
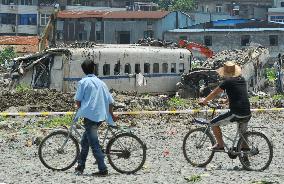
(278, 97)
(22, 88)
(176, 101)
(193, 178)
(65, 120)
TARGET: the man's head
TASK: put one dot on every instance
(88, 67)
(230, 69)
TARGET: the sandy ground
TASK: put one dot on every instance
(20, 163)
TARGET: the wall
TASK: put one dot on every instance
(232, 40)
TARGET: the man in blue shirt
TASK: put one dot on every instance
(94, 103)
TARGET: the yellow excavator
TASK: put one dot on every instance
(49, 30)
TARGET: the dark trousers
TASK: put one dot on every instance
(90, 139)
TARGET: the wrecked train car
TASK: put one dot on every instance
(200, 82)
(121, 67)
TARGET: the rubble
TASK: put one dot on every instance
(241, 56)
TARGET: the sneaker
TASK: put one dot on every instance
(100, 173)
(216, 147)
(79, 169)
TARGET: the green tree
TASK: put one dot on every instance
(7, 54)
(182, 5)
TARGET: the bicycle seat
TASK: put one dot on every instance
(201, 121)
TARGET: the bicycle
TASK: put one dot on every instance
(196, 143)
(60, 150)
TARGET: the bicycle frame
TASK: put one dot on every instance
(237, 136)
(74, 128)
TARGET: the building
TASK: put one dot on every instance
(276, 14)
(233, 34)
(122, 27)
(239, 9)
(29, 17)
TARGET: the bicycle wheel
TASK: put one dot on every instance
(58, 152)
(126, 153)
(195, 147)
(257, 152)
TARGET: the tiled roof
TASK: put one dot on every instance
(136, 15)
(19, 40)
(67, 14)
(113, 15)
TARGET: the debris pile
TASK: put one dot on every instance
(157, 43)
(37, 100)
(241, 56)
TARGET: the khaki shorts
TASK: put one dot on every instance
(228, 118)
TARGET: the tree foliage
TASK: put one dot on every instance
(7, 54)
(176, 5)
(182, 5)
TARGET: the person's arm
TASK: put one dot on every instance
(212, 95)
(114, 117)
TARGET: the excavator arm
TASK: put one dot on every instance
(196, 47)
(49, 29)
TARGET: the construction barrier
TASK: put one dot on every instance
(132, 112)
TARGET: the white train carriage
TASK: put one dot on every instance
(144, 69)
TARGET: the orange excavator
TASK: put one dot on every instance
(196, 47)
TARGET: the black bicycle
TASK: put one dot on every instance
(126, 153)
(257, 155)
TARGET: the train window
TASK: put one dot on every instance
(106, 69)
(137, 68)
(127, 68)
(116, 69)
(173, 68)
(181, 67)
(146, 68)
(165, 68)
(96, 69)
(156, 68)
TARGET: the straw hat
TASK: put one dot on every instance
(230, 69)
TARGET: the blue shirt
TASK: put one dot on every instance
(95, 99)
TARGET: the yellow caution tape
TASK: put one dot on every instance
(187, 111)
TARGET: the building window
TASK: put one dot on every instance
(208, 40)
(282, 4)
(99, 35)
(127, 68)
(181, 67)
(96, 69)
(202, 8)
(146, 68)
(116, 69)
(218, 8)
(245, 40)
(7, 18)
(26, 2)
(82, 36)
(165, 68)
(59, 35)
(156, 68)
(277, 18)
(27, 19)
(173, 68)
(44, 19)
(273, 40)
(106, 69)
(137, 68)
(149, 34)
